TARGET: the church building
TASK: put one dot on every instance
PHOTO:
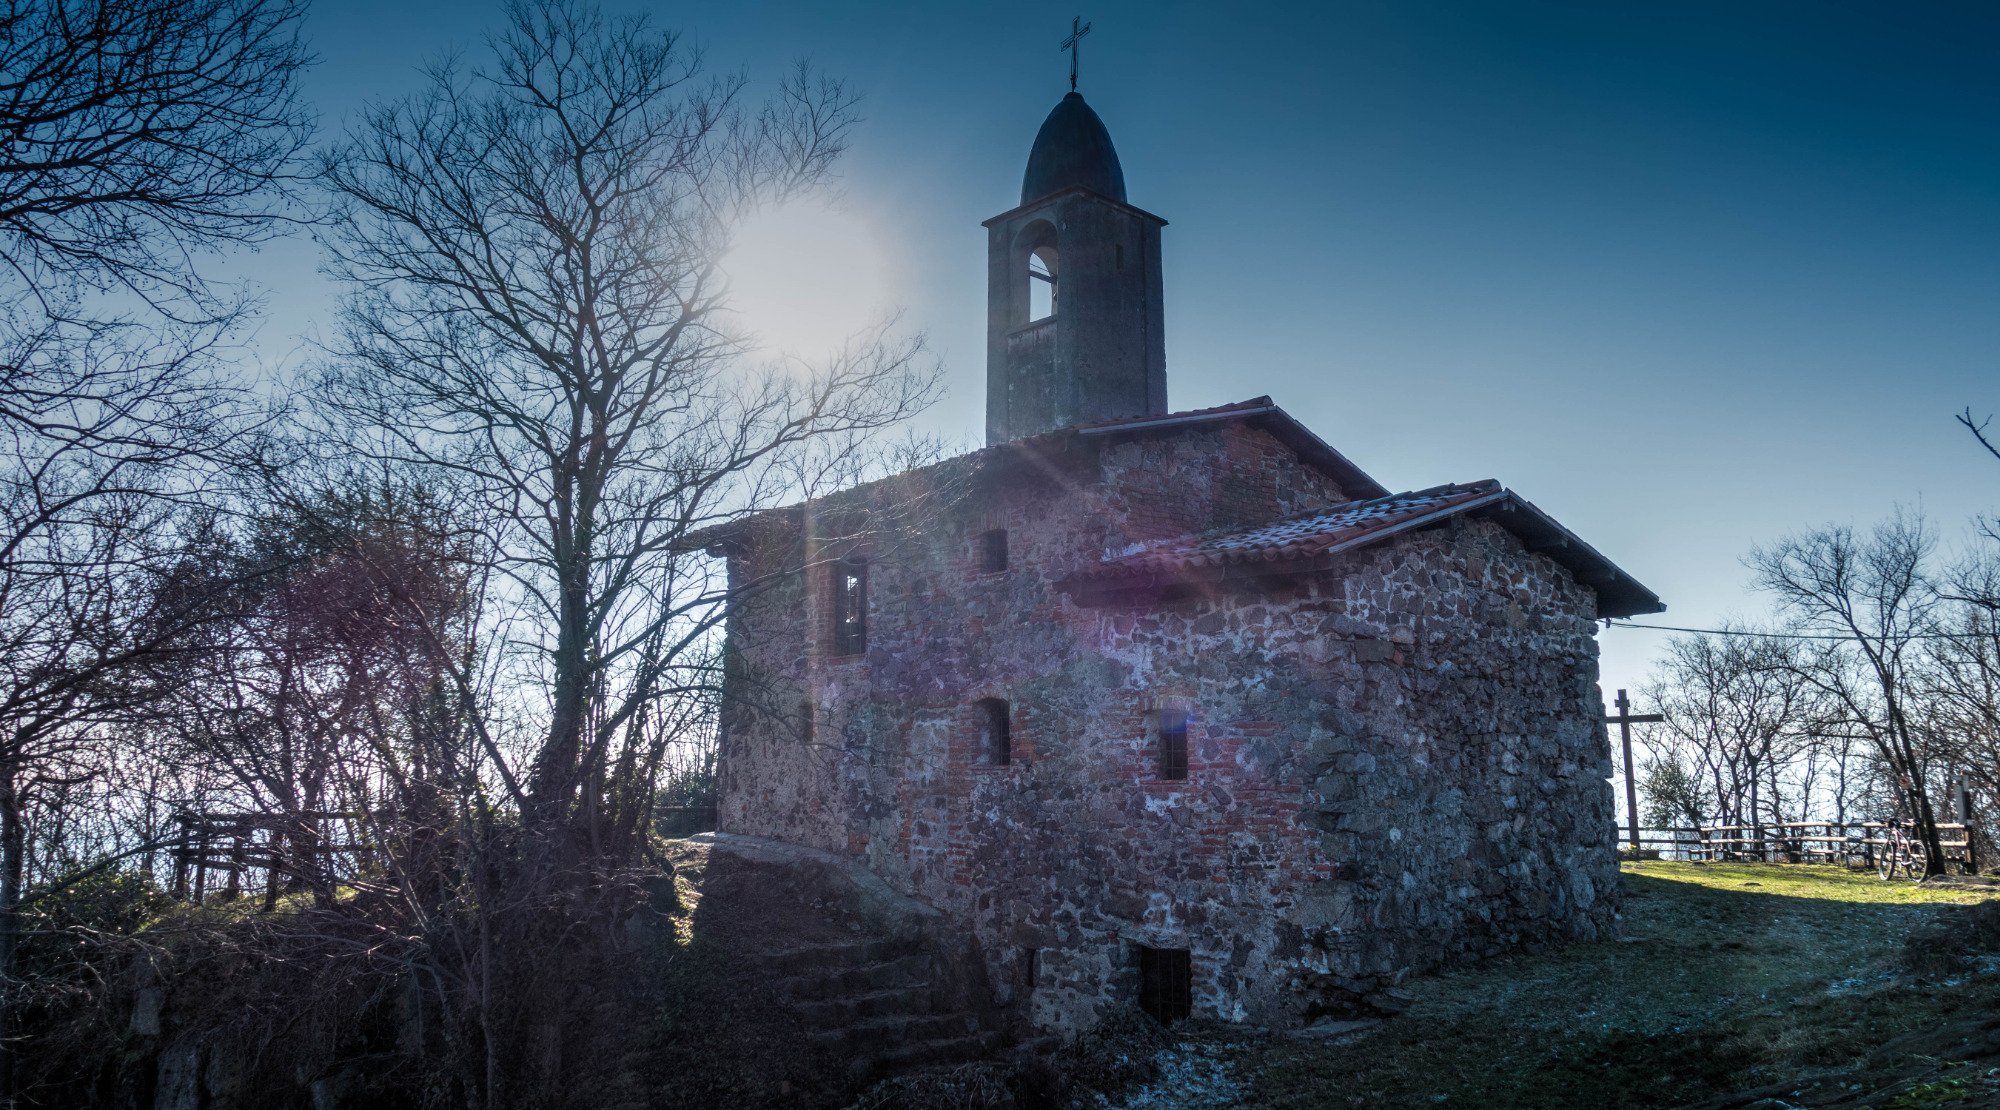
(1182, 710)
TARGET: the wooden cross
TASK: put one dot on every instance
(1625, 719)
(1074, 45)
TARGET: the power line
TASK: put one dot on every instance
(1753, 634)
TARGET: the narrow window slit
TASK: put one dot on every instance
(996, 741)
(850, 607)
(1173, 743)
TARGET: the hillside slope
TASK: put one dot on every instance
(1735, 985)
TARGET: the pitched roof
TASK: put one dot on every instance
(1358, 523)
(1259, 411)
(1255, 405)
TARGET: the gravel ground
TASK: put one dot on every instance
(1192, 1075)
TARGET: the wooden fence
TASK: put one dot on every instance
(309, 850)
(1854, 843)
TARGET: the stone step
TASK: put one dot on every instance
(950, 1050)
(807, 959)
(924, 1053)
(850, 1008)
(834, 982)
(877, 1036)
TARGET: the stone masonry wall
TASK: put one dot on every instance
(1394, 761)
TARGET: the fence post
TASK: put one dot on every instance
(201, 867)
(271, 869)
(1964, 807)
(234, 886)
(179, 853)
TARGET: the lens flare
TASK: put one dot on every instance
(806, 276)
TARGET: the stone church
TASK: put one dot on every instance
(1176, 709)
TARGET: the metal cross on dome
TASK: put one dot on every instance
(1074, 45)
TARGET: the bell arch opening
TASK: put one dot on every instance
(1040, 264)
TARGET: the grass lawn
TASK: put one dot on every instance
(1734, 985)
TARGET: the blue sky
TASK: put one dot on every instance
(1689, 276)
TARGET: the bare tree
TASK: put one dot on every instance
(534, 327)
(309, 685)
(1871, 598)
(135, 135)
(535, 319)
(1739, 722)
(139, 134)
(1962, 673)
(1978, 429)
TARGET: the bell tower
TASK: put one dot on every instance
(1074, 332)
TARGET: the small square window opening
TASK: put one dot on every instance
(1166, 987)
(993, 551)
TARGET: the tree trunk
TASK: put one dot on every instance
(13, 852)
(1912, 780)
(1756, 821)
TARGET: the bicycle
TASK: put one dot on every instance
(1897, 854)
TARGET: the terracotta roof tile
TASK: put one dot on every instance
(1303, 537)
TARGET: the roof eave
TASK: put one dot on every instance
(1618, 593)
(1041, 200)
(1354, 481)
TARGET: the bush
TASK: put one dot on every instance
(110, 903)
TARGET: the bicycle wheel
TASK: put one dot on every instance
(1885, 863)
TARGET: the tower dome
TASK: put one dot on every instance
(1072, 149)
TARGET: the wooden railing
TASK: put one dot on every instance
(283, 849)
(1853, 843)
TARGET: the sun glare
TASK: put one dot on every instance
(805, 277)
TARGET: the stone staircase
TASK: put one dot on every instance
(879, 1004)
(894, 990)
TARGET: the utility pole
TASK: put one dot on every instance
(1625, 719)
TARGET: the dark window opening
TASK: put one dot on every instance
(1173, 743)
(996, 741)
(1031, 960)
(806, 720)
(850, 607)
(1166, 987)
(993, 551)
(1041, 284)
